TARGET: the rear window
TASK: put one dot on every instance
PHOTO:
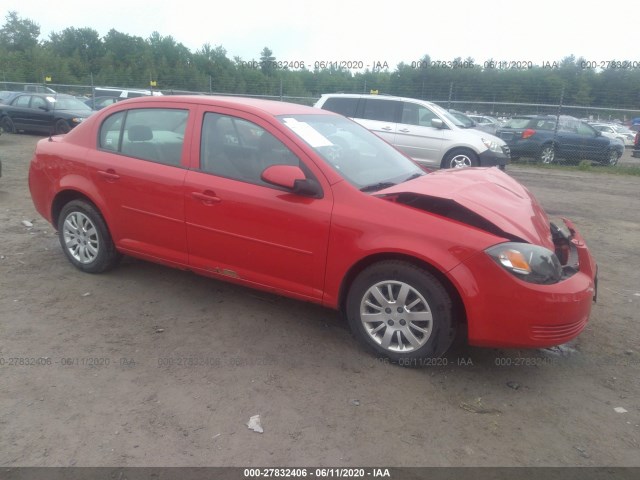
(517, 123)
(343, 106)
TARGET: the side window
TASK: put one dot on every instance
(584, 129)
(235, 148)
(414, 114)
(155, 134)
(38, 102)
(342, 105)
(22, 101)
(382, 110)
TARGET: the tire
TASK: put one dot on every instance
(460, 158)
(379, 301)
(547, 154)
(61, 126)
(612, 158)
(85, 238)
(7, 125)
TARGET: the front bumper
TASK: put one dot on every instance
(492, 159)
(504, 311)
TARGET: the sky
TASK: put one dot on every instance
(364, 32)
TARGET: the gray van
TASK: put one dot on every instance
(422, 130)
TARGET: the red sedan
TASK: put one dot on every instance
(306, 203)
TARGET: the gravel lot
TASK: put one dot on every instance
(149, 366)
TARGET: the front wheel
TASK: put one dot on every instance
(401, 312)
(547, 154)
(460, 158)
(613, 157)
(61, 126)
(85, 238)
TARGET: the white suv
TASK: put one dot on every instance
(422, 130)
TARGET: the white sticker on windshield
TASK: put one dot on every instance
(307, 133)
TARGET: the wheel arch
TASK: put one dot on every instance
(461, 149)
(65, 196)
(459, 312)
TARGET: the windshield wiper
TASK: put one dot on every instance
(415, 175)
(377, 186)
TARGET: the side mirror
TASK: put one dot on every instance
(437, 123)
(291, 178)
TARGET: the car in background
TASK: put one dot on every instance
(623, 134)
(98, 103)
(485, 122)
(469, 122)
(422, 130)
(7, 95)
(308, 204)
(548, 138)
(636, 146)
(43, 113)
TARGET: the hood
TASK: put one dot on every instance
(486, 198)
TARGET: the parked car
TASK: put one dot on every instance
(308, 204)
(536, 136)
(623, 134)
(486, 122)
(98, 103)
(636, 146)
(469, 122)
(422, 130)
(40, 112)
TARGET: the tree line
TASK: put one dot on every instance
(79, 56)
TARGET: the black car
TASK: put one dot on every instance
(42, 112)
(548, 138)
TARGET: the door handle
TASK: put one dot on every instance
(386, 128)
(207, 197)
(405, 130)
(109, 175)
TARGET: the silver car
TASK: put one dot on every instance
(422, 130)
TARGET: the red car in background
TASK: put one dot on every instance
(306, 203)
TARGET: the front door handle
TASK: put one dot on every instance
(207, 197)
(405, 130)
(388, 129)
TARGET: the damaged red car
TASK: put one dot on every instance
(308, 204)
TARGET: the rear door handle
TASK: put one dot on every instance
(386, 128)
(207, 197)
(109, 175)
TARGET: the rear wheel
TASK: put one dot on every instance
(85, 238)
(460, 158)
(7, 125)
(547, 154)
(401, 312)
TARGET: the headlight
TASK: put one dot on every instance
(492, 145)
(77, 120)
(530, 263)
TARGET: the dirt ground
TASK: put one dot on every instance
(149, 366)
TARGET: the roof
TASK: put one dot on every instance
(271, 107)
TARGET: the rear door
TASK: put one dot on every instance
(139, 169)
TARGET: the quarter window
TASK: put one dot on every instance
(155, 134)
(235, 148)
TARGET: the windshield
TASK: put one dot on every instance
(443, 113)
(359, 156)
(463, 119)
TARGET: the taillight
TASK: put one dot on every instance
(529, 132)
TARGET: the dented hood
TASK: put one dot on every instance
(489, 193)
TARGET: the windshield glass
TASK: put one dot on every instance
(359, 156)
(443, 113)
(467, 122)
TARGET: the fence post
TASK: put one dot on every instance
(450, 95)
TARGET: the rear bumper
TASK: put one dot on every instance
(503, 311)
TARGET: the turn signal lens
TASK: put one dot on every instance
(516, 261)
